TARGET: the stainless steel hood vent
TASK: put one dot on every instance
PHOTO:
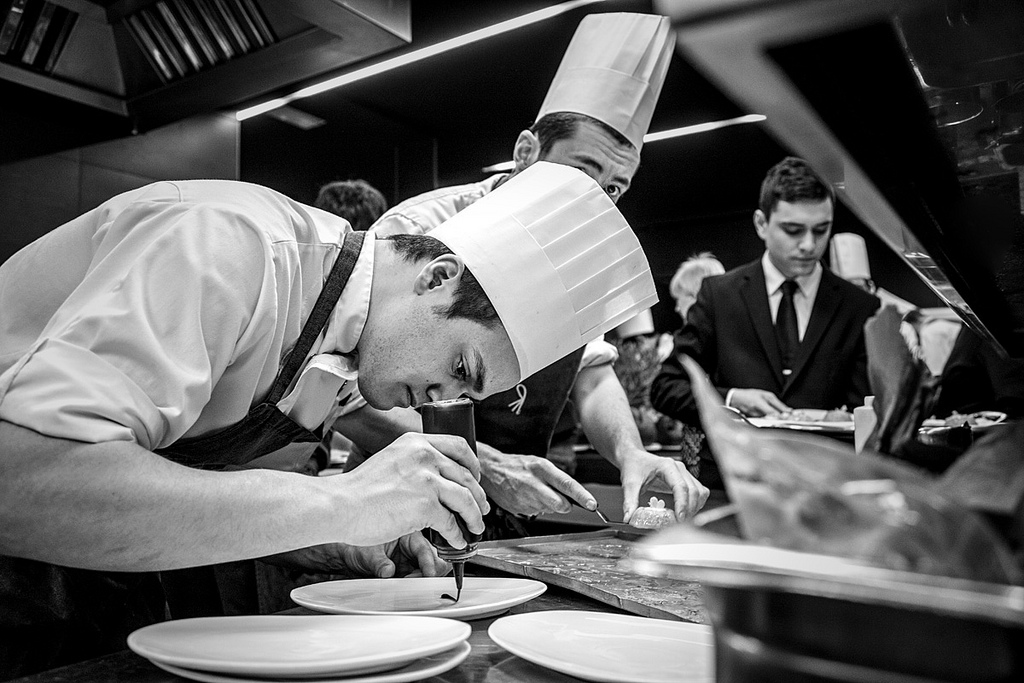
(182, 37)
(146, 63)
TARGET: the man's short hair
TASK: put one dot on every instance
(560, 125)
(469, 300)
(357, 201)
(692, 272)
(792, 180)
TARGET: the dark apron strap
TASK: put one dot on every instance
(322, 310)
(265, 428)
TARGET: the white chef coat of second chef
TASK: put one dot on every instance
(181, 299)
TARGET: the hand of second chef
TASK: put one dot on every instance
(528, 485)
(643, 470)
(419, 481)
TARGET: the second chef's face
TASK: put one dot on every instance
(597, 153)
(795, 235)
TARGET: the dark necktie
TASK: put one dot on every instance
(786, 328)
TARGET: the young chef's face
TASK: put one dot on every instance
(411, 354)
(595, 152)
(795, 235)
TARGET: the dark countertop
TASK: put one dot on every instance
(487, 662)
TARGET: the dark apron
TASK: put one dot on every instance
(52, 615)
(523, 420)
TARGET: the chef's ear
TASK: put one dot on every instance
(526, 150)
(444, 270)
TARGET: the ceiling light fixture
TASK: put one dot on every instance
(414, 56)
(663, 135)
(704, 127)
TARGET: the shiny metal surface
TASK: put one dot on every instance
(725, 561)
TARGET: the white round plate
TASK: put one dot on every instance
(296, 646)
(610, 648)
(416, 671)
(811, 420)
(481, 596)
(983, 420)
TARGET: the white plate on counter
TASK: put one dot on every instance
(481, 596)
(809, 419)
(414, 671)
(610, 648)
(296, 646)
(976, 421)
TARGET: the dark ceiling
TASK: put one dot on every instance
(474, 100)
(464, 109)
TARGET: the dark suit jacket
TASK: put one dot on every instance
(730, 333)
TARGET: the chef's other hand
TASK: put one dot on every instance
(419, 481)
(412, 554)
(528, 485)
(642, 470)
(757, 402)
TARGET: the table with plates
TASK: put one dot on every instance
(535, 629)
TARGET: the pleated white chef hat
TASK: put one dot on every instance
(556, 258)
(849, 256)
(613, 71)
(641, 323)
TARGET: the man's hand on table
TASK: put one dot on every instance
(757, 402)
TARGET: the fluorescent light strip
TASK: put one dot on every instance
(663, 135)
(703, 127)
(415, 56)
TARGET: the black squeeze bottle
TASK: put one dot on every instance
(452, 417)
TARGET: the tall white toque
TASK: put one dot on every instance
(641, 323)
(848, 256)
(613, 71)
(556, 258)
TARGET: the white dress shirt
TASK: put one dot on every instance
(803, 298)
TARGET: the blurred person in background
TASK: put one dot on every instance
(686, 282)
(357, 201)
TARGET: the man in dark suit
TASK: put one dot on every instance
(782, 332)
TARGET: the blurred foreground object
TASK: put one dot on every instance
(989, 478)
(905, 390)
(854, 570)
(808, 493)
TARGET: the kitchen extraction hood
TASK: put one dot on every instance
(147, 63)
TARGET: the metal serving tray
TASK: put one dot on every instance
(591, 564)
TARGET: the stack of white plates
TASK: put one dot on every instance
(613, 648)
(334, 649)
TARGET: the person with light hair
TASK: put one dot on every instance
(686, 282)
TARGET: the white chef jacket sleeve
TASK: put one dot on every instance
(397, 224)
(134, 352)
(598, 352)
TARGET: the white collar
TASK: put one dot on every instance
(349, 316)
(773, 277)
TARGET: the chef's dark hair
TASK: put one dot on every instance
(357, 201)
(560, 125)
(792, 180)
(469, 301)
